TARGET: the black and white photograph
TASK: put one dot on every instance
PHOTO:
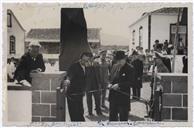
(98, 64)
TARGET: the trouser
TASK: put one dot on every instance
(118, 112)
(136, 92)
(75, 106)
(180, 51)
(103, 93)
(97, 102)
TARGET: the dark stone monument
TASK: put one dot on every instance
(73, 37)
(73, 42)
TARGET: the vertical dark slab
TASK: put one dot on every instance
(73, 36)
(73, 42)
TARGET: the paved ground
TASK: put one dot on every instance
(138, 109)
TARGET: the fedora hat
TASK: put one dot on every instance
(120, 55)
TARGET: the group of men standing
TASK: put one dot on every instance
(91, 78)
(94, 78)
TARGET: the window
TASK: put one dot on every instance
(12, 45)
(133, 37)
(140, 36)
(9, 20)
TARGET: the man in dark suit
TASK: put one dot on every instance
(76, 85)
(32, 61)
(138, 66)
(121, 79)
(93, 84)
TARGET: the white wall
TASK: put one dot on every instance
(144, 23)
(19, 106)
(19, 34)
(160, 27)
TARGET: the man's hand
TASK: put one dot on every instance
(109, 86)
(66, 82)
(25, 83)
(36, 70)
(115, 87)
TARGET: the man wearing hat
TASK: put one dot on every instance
(121, 79)
(157, 46)
(32, 61)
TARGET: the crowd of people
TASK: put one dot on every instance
(95, 75)
(167, 48)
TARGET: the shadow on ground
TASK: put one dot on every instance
(97, 118)
(135, 118)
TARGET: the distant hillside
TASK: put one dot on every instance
(114, 47)
(108, 39)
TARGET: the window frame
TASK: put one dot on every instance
(9, 19)
(133, 37)
(12, 44)
(140, 36)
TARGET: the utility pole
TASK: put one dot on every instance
(176, 40)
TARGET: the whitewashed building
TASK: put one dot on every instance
(15, 36)
(156, 25)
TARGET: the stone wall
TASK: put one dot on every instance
(175, 97)
(44, 95)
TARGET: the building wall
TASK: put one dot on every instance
(19, 34)
(160, 27)
(144, 24)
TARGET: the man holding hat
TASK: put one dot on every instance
(32, 61)
(121, 79)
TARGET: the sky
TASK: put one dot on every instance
(113, 19)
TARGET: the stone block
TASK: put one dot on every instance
(48, 119)
(179, 114)
(36, 119)
(185, 100)
(40, 83)
(166, 113)
(35, 97)
(48, 97)
(172, 100)
(166, 86)
(40, 110)
(179, 86)
(53, 110)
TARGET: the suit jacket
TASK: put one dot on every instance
(104, 72)
(125, 80)
(26, 65)
(76, 75)
(138, 65)
(93, 77)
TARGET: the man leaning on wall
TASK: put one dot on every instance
(31, 61)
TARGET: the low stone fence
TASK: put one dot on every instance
(44, 86)
(175, 96)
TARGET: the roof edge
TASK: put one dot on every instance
(16, 19)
